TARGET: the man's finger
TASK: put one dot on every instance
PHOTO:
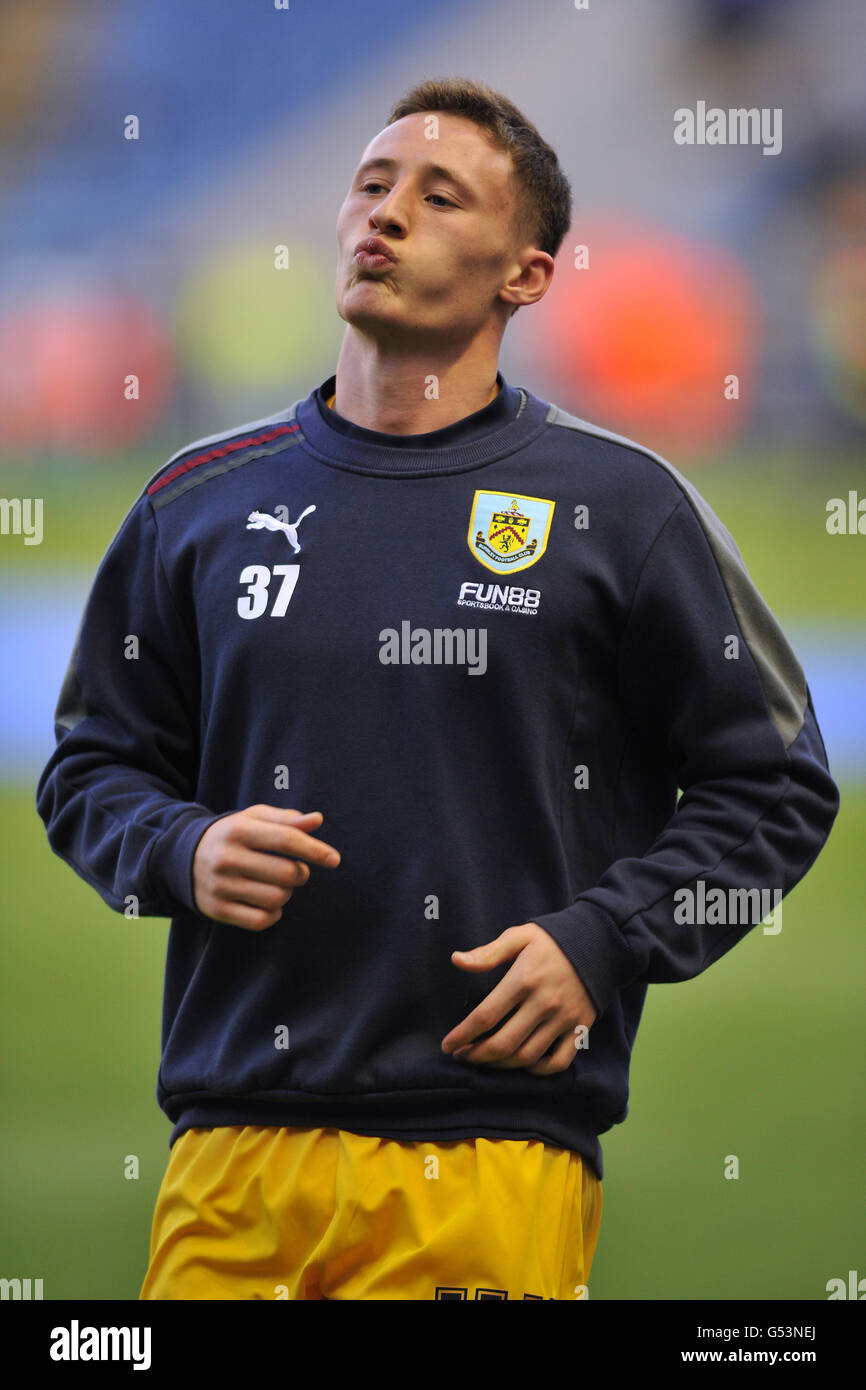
(275, 837)
(493, 1007)
(502, 948)
(280, 869)
(259, 893)
(560, 1058)
(499, 1048)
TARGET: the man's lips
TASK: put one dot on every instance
(373, 252)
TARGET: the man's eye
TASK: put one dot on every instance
(372, 184)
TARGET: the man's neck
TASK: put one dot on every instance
(406, 393)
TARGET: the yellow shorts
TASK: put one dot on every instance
(265, 1212)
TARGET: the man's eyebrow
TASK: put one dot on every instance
(438, 170)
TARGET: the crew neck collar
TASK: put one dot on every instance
(504, 424)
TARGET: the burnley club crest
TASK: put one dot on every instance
(508, 533)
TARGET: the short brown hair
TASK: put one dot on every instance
(543, 213)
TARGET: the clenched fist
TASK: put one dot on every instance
(247, 865)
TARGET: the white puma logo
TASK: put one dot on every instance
(257, 520)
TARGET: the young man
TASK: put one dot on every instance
(488, 643)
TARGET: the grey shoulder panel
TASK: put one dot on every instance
(220, 453)
(782, 678)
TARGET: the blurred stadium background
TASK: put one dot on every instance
(154, 257)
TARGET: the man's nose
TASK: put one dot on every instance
(389, 215)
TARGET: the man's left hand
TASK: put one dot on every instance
(542, 980)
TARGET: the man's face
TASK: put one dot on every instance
(450, 229)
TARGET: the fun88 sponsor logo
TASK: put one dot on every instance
(503, 598)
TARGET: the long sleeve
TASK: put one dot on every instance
(117, 794)
(707, 677)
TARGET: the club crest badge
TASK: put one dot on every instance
(508, 533)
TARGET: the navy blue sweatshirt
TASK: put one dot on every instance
(491, 655)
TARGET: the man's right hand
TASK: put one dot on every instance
(247, 865)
